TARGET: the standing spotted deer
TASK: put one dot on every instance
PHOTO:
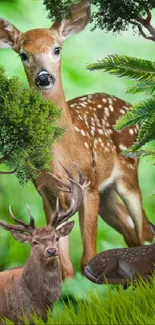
(37, 285)
(90, 140)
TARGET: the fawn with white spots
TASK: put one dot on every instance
(90, 140)
(123, 265)
(37, 285)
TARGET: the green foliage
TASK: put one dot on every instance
(57, 9)
(124, 66)
(112, 16)
(27, 128)
(115, 306)
(144, 112)
(116, 15)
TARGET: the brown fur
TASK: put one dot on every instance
(37, 285)
(98, 152)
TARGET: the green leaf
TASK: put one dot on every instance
(137, 114)
(147, 88)
(124, 66)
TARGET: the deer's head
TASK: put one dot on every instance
(44, 241)
(40, 49)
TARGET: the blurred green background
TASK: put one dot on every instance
(78, 51)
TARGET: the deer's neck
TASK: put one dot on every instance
(42, 282)
(56, 95)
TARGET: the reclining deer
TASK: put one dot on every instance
(90, 140)
(123, 265)
(37, 285)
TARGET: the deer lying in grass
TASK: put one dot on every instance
(120, 266)
(37, 285)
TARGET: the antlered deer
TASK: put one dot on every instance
(37, 285)
(90, 140)
(122, 265)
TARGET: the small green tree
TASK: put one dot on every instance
(143, 113)
(27, 129)
(114, 15)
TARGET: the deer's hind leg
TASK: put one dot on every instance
(115, 214)
(127, 187)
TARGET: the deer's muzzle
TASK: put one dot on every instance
(44, 80)
(51, 252)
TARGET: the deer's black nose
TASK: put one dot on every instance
(51, 251)
(44, 80)
(89, 274)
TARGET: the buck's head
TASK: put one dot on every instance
(40, 49)
(44, 241)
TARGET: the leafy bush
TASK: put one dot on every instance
(115, 16)
(27, 129)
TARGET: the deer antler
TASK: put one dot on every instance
(76, 189)
(22, 226)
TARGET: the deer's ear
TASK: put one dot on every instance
(21, 237)
(65, 229)
(9, 34)
(80, 15)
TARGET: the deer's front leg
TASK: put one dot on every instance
(88, 216)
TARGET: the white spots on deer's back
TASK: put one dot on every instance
(83, 98)
(83, 133)
(92, 130)
(100, 131)
(94, 117)
(77, 129)
(122, 111)
(126, 107)
(86, 145)
(106, 111)
(131, 131)
(111, 108)
(122, 147)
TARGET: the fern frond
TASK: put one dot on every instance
(137, 114)
(147, 151)
(146, 132)
(147, 88)
(146, 135)
(125, 66)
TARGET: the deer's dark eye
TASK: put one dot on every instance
(57, 238)
(35, 243)
(57, 50)
(23, 56)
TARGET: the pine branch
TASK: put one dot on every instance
(124, 66)
(137, 114)
(147, 87)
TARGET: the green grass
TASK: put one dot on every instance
(106, 305)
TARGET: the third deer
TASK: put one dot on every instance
(35, 287)
(123, 265)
